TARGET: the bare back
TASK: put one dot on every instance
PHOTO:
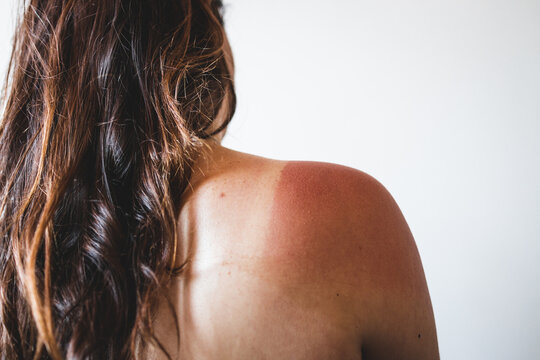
(295, 260)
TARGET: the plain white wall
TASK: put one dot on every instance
(438, 100)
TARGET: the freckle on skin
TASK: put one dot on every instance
(419, 336)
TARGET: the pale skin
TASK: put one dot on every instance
(294, 260)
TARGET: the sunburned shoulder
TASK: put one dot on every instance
(311, 210)
(331, 237)
(340, 230)
(331, 209)
(312, 214)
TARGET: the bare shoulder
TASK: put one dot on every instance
(329, 240)
(341, 228)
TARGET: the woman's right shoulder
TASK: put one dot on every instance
(321, 218)
(297, 208)
(336, 234)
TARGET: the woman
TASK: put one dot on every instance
(129, 232)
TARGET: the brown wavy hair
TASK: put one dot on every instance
(107, 104)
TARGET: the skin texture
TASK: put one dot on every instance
(295, 260)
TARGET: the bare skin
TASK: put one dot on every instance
(295, 260)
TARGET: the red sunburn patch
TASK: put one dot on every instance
(306, 213)
(326, 217)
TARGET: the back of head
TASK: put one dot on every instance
(107, 104)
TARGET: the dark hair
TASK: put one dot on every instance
(106, 107)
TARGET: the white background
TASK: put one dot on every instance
(438, 100)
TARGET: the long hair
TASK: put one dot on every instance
(107, 104)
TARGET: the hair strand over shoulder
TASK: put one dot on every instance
(106, 106)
